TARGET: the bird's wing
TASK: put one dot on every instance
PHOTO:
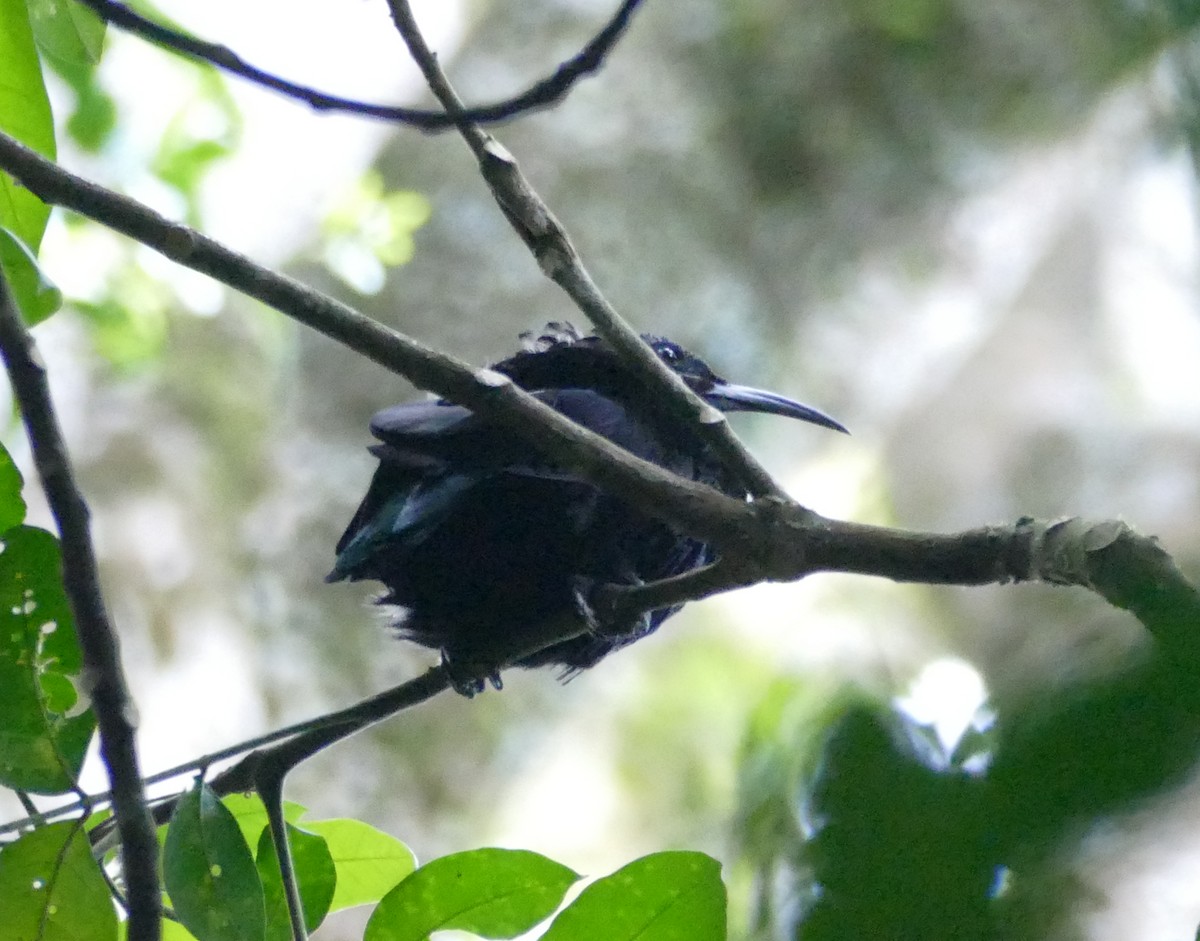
(609, 419)
(433, 453)
(430, 454)
(408, 512)
(452, 433)
(414, 422)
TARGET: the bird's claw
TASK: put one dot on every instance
(468, 681)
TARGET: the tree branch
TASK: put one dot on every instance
(102, 670)
(541, 94)
(1129, 570)
(689, 506)
(556, 255)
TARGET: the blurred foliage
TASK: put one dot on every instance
(205, 129)
(128, 309)
(899, 842)
(888, 103)
(865, 824)
(129, 322)
(369, 229)
(71, 38)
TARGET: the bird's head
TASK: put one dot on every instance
(559, 356)
(729, 397)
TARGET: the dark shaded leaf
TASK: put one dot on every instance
(51, 889)
(37, 296)
(901, 845)
(209, 872)
(315, 874)
(41, 745)
(12, 504)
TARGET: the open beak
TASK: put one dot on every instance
(733, 398)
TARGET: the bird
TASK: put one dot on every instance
(478, 539)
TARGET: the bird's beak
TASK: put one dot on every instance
(733, 398)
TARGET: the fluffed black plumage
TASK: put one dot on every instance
(479, 538)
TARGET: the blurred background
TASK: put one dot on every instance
(966, 230)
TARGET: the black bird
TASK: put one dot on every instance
(479, 538)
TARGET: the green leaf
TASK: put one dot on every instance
(315, 874)
(495, 893)
(37, 296)
(251, 814)
(171, 931)
(51, 889)
(369, 862)
(371, 227)
(12, 504)
(95, 115)
(69, 34)
(25, 115)
(209, 872)
(71, 38)
(41, 744)
(661, 897)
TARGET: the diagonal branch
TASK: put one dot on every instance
(541, 94)
(115, 710)
(551, 246)
(691, 507)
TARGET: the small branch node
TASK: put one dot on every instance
(495, 151)
(179, 243)
(491, 378)
(552, 259)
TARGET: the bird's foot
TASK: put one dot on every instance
(469, 680)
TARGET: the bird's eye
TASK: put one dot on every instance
(668, 354)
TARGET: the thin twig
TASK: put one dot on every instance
(101, 658)
(555, 253)
(34, 816)
(102, 798)
(541, 94)
(270, 792)
(277, 760)
(616, 604)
